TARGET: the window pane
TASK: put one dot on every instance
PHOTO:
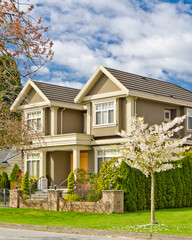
(98, 107)
(98, 117)
(104, 106)
(104, 117)
(189, 112)
(34, 167)
(39, 124)
(100, 160)
(189, 122)
(37, 168)
(100, 153)
(111, 116)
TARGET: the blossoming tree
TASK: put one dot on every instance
(153, 149)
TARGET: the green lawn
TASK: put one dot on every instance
(171, 221)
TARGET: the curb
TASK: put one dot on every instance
(95, 232)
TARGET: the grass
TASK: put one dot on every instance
(171, 221)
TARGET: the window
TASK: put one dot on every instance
(104, 155)
(167, 115)
(33, 161)
(105, 113)
(34, 120)
(189, 119)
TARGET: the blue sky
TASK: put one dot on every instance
(147, 37)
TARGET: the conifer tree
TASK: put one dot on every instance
(140, 185)
(5, 180)
(158, 192)
(71, 183)
(128, 185)
(25, 183)
(178, 187)
(14, 174)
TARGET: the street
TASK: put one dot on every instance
(18, 234)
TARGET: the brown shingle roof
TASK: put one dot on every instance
(150, 85)
(57, 93)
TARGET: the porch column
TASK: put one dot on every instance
(54, 120)
(76, 158)
(129, 113)
(43, 181)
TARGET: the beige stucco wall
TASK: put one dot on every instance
(72, 121)
(153, 111)
(91, 161)
(32, 97)
(15, 160)
(103, 85)
(58, 166)
(47, 121)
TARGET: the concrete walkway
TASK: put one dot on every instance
(95, 232)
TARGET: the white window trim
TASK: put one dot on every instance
(30, 160)
(94, 114)
(42, 117)
(188, 129)
(96, 149)
(167, 119)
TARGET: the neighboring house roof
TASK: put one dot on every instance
(6, 155)
(150, 85)
(57, 93)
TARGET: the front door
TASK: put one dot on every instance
(83, 160)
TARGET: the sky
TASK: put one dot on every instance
(151, 38)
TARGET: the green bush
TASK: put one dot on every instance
(26, 196)
(25, 183)
(93, 196)
(14, 174)
(71, 183)
(72, 197)
(109, 172)
(4, 182)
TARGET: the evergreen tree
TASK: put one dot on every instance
(25, 183)
(170, 190)
(127, 179)
(5, 180)
(140, 185)
(14, 176)
(71, 183)
(178, 187)
(148, 192)
(158, 192)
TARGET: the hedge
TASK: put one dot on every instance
(173, 188)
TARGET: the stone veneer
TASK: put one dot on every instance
(112, 201)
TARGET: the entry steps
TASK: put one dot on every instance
(41, 195)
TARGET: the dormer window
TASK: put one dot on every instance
(167, 115)
(34, 121)
(105, 113)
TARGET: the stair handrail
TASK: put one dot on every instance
(33, 184)
(62, 183)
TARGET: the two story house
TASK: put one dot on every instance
(80, 127)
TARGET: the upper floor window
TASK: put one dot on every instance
(189, 119)
(105, 113)
(34, 120)
(167, 115)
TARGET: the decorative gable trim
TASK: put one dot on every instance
(94, 78)
(30, 84)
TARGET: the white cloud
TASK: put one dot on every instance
(120, 34)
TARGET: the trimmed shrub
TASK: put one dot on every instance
(93, 196)
(25, 183)
(72, 197)
(71, 183)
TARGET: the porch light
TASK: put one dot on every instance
(16, 185)
(55, 185)
(111, 185)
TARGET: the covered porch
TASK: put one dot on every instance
(61, 154)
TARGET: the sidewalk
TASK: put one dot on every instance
(96, 232)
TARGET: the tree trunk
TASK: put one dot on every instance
(152, 198)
